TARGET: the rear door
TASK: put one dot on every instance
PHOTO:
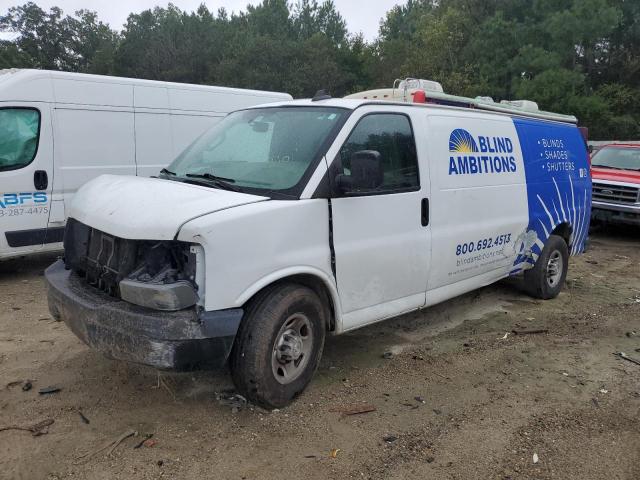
(26, 173)
(381, 238)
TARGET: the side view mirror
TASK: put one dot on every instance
(366, 172)
(590, 148)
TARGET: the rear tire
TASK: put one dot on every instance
(279, 345)
(546, 278)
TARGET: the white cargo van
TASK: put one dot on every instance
(288, 221)
(59, 130)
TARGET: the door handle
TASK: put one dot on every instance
(40, 180)
(424, 212)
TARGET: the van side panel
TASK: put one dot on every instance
(478, 204)
(221, 102)
(558, 186)
(82, 91)
(91, 142)
(154, 142)
(154, 138)
(494, 176)
(187, 127)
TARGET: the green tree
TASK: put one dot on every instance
(394, 47)
(311, 18)
(92, 42)
(12, 57)
(435, 52)
(570, 56)
(53, 41)
(42, 37)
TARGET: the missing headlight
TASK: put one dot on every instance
(154, 274)
(164, 278)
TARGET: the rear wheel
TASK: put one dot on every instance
(279, 345)
(546, 278)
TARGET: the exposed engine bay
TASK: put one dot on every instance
(154, 274)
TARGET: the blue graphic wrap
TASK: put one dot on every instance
(558, 186)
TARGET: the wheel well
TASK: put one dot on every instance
(319, 287)
(563, 230)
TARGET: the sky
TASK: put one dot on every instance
(361, 15)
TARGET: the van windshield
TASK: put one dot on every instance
(264, 149)
(19, 129)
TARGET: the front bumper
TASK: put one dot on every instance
(183, 340)
(615, 213)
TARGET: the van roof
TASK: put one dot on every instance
(22, 74)
(46, 86)
(353, 103)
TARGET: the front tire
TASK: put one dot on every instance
(279, 345)
(546, 278)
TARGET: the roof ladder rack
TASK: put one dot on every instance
(404, 91)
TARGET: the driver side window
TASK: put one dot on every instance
(392, 137)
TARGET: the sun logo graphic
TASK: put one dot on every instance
(461, 141)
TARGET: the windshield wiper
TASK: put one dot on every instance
(210, 176)
(168, 172)
(222, 182)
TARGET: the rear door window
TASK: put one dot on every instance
(19, 133)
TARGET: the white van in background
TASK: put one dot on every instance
(58, 130)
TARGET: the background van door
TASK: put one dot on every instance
(26, 173)
(89, 142)
(94, 135)
(381, 241)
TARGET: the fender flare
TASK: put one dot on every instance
(328, 282)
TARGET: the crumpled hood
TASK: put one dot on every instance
(139, 208)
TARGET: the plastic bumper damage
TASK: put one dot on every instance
(183, 340)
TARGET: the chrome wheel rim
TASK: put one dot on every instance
(292, 349)
(554, 268)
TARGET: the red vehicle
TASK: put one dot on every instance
(616, 184)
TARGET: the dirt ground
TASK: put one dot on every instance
(457, 399)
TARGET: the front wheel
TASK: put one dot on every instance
(546, 278)
(279, 345)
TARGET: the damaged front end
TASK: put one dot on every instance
(154, 274)
(138, 300)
